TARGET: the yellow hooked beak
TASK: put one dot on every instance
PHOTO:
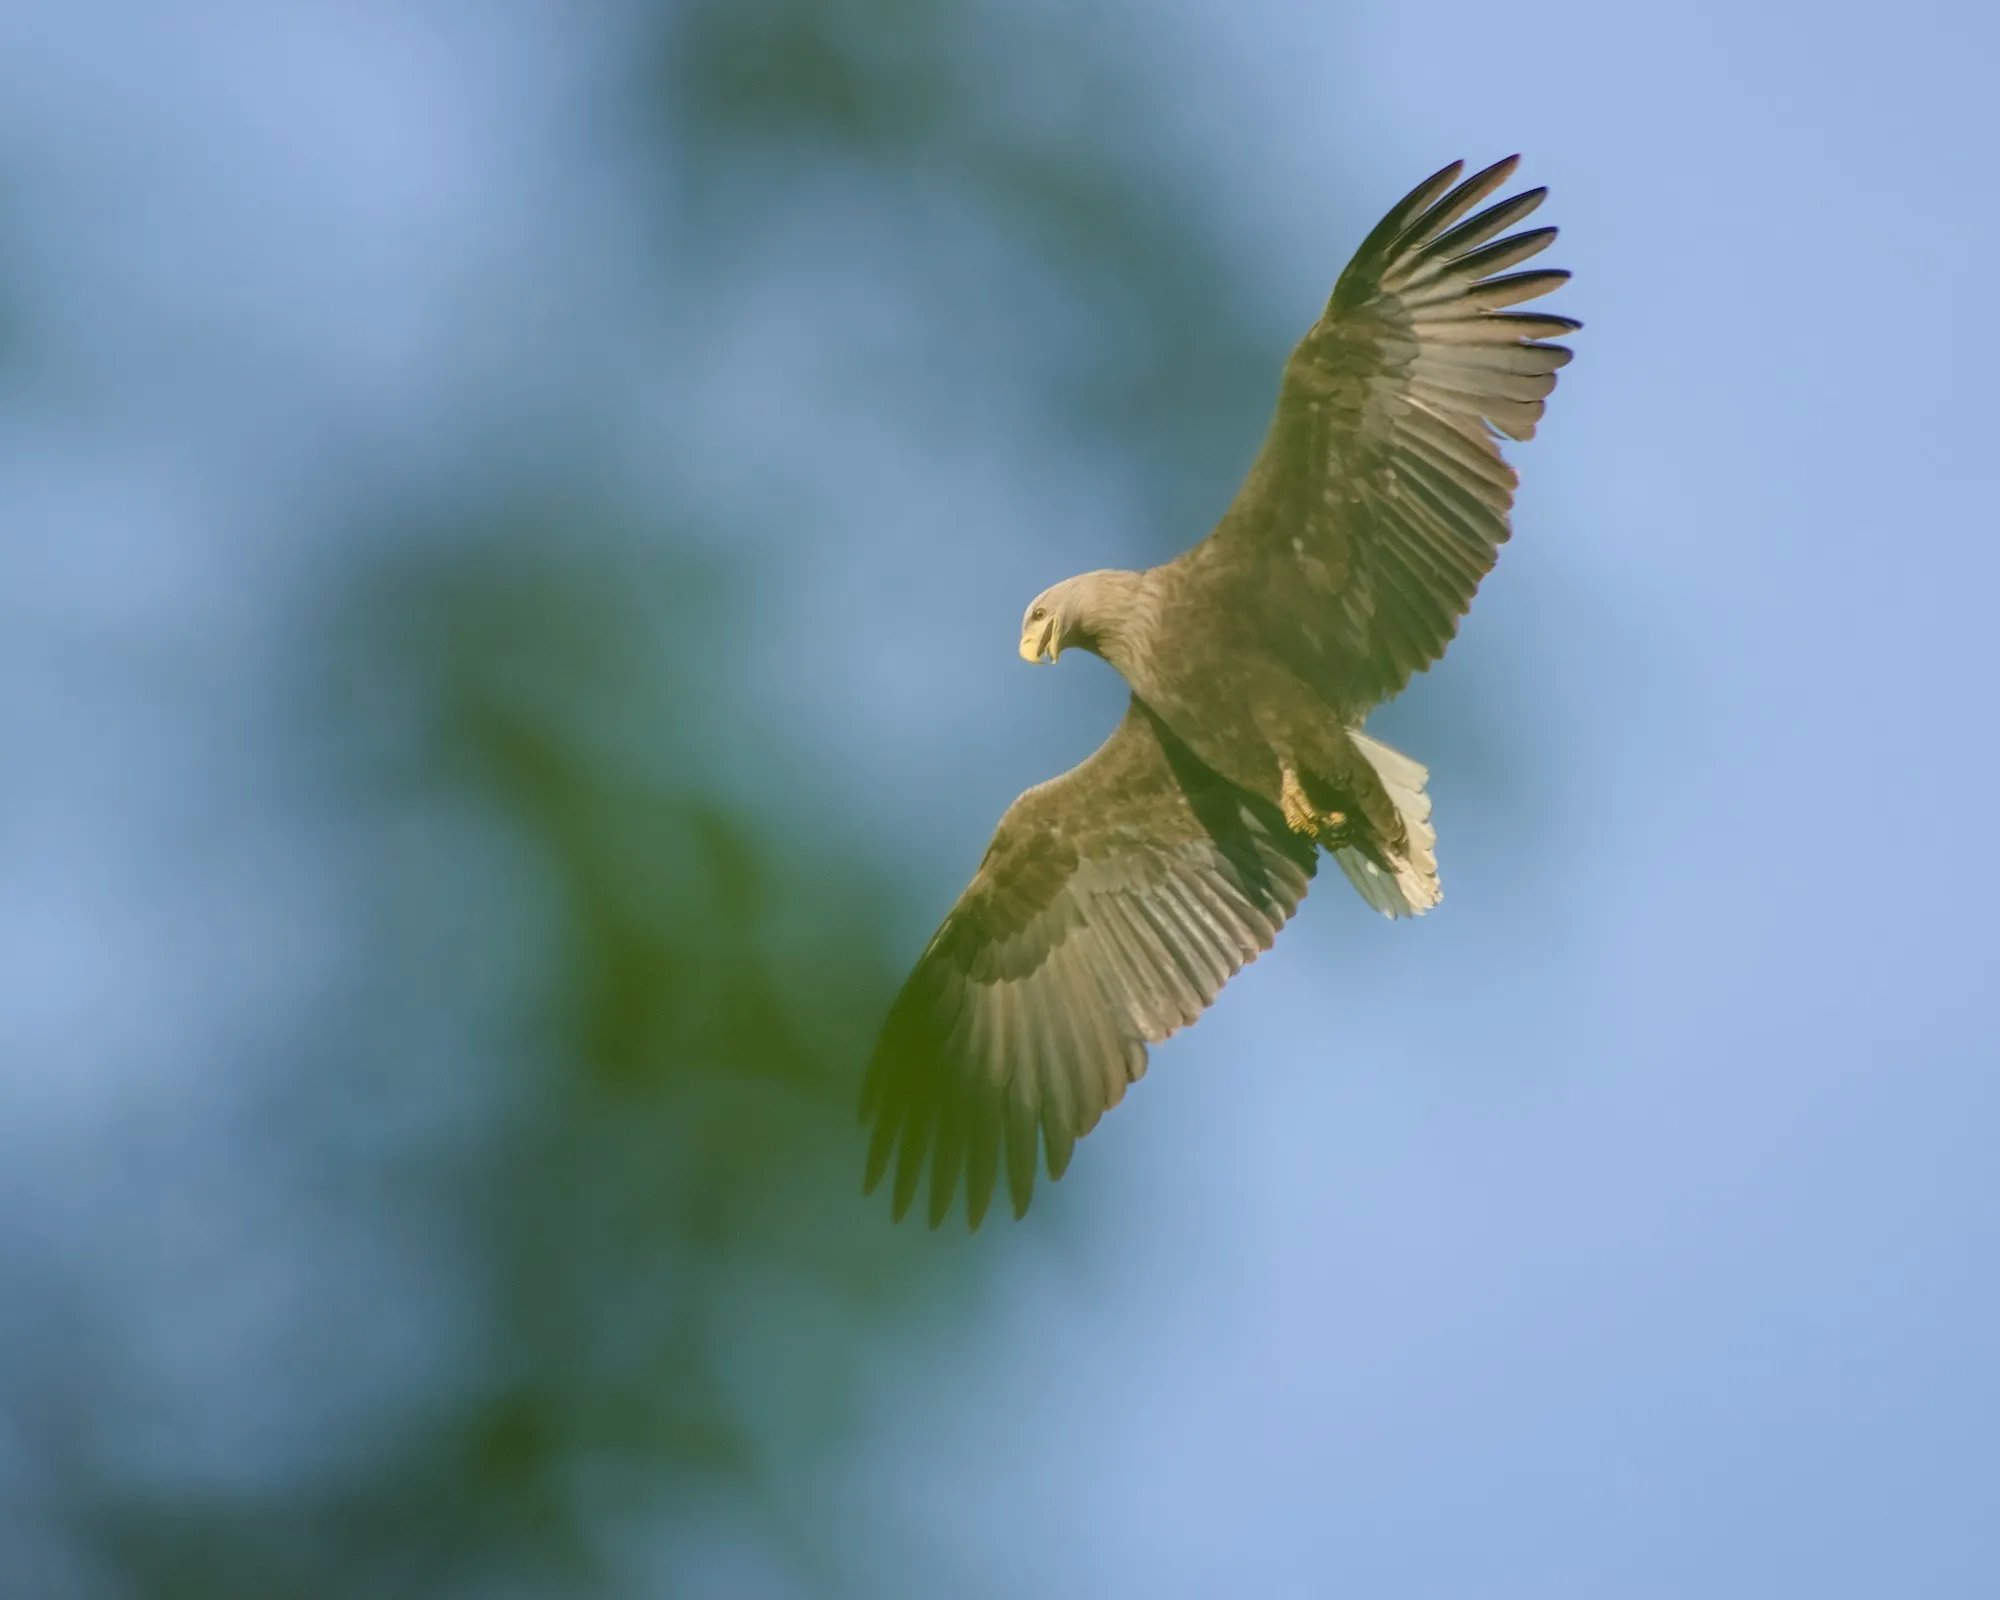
(1040, 644)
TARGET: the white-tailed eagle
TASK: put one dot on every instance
(1116, 900)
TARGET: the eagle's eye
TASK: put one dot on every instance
(1037, 614)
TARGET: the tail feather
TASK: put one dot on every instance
(1404, 882)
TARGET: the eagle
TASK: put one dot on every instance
(1115, 901)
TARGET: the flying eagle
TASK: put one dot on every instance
(1116, 900)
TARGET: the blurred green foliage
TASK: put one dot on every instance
(596, 1073)
(1022, 161)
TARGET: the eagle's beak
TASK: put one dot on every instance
(1042, 647)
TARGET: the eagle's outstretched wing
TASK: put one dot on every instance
(1112, 906)
(1380, 498)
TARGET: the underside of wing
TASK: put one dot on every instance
(1380, 499)
(1112, 906)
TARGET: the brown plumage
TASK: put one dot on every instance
(1116, 900)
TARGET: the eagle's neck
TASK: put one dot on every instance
(1113, 616)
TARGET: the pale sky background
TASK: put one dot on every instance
(1626, 1228)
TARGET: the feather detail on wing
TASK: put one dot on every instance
(1380, 498)
(1113, 905)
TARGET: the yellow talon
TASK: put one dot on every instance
(1300, 816)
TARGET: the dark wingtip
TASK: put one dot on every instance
(1487, 179)
(940, 1202)
(880, 1147)
(899, 1200)
(1023, 1151)
(1400, 216)
(908, 1173)
(1442, 213)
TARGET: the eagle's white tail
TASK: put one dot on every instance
(1406, 883)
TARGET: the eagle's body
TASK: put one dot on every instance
(1116, 900)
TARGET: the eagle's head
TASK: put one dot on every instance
(1042, 628)
(1092, 611)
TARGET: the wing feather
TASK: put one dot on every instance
(1496, 293)
(1380, 499)
(1494, 219)
(1431, 277)
(1113, 905)
(982, 1155)
(948, 1157)
(1442, 215)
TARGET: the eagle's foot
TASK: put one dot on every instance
(1302, 816)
